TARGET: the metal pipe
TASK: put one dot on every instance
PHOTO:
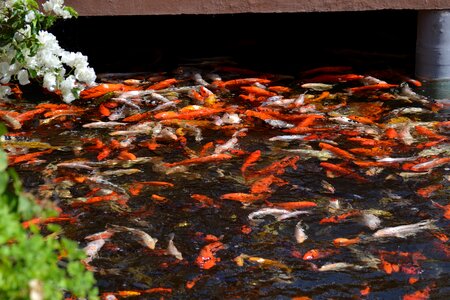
(433, 45)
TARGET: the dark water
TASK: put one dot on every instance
(391, 193)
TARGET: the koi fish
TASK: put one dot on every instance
(319, 253)
(264, 262)
(200, 160)
(294, 204)
(172, 250)
(144, 238)
(205, 200)
(263, 185)
(339, 152)
(404, 231)
(206, 259)
(299, 233)
(250, 160)
(343, 242)
(243, 197)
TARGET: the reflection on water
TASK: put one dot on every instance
(366, 158)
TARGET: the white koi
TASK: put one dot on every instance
(403, 231)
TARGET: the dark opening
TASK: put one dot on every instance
(270, 42)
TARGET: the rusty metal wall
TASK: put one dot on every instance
(174, 7)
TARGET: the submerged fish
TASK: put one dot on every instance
(405, 230)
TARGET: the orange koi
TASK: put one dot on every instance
(428, 190)
(332, 78)
(324, 95)
(29, 115)
(199, 160)
(318, 253)
(113, 196)
(429, 133)
(43, 221)
(259, 115)
(362, 120)
(391, 133)
(206, 147)
(257, 91)
(279, 89)
(365, 291)
(242, 81)
(338, 151)
(340, 218)
(279, 167)
(104, 153)
(132, 293)
(125, 155)
(294, 204)
(138, 117)
(206, 259)
(103, 89)
(162, 84)
(412, 280)
(191, 114)
(373, 87)
(440, 236)
(15, 159)
(425, 166)
(370, 164)
(246, 229)
(191, 283)
(243, 197)
(371, 142)
(419, 295)
(158, 198)
(343, 171)
(343, 242)
(263, 185)
(104, 111)
(446, 209)
(204, 200)
(375, 151)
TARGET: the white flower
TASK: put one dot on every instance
(56, 7)
(30, 16)
(86, 75)
(4, 91)
(67, 87)
(48, 41)
(49, 82)
(74, 60)
(22, 76)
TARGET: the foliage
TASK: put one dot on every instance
(29, 262)
(28, 51)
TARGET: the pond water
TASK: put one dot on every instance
(211, 161)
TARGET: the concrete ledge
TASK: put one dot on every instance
(177, 7)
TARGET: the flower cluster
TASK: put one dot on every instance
(28, 51)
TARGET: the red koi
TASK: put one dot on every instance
(425, 166)
(104, 111)
(125, 155)
(375, 151)
(138, 117)
(371, 142)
